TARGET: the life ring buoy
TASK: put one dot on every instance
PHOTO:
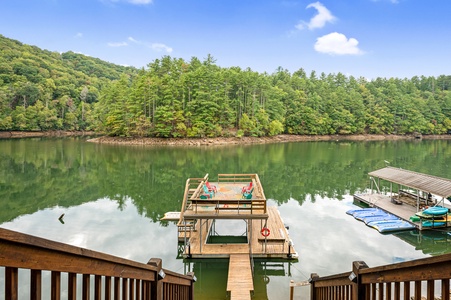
(265, 231)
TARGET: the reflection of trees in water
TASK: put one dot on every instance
(433, 242)
(41, 173)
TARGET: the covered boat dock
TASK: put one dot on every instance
(408, 193)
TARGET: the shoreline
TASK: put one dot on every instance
(283, 138)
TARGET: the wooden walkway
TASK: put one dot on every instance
(239, 282)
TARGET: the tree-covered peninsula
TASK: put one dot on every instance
(42, 90)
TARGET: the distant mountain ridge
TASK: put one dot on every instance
(48, 90)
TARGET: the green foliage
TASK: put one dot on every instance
(38, 87)
(42, 90)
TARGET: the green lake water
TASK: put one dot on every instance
(113, 197)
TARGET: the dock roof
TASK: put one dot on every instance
(423, 182)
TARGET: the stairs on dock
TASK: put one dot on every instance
(186, 228)
(240, 283)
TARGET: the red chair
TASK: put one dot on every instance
(211, 188)
(247, 189)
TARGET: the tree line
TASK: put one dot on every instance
(42, 90)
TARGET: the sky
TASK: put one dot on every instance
(360, 38)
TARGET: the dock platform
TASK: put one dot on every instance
(415, 191)
(237, 198)
(265, 235)
(403, 211)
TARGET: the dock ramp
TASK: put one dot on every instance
(240, 283)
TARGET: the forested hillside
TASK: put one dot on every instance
(42, 90)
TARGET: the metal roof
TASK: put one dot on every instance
(423, 182)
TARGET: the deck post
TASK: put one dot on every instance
(358, 289)
(311, 280)
(191, 293)
(156, 287)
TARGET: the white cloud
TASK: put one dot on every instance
(160, 47)
(337, 43)
(119, 44)
(320, 19)
(133, 40)
(154, 46)
(79, 35)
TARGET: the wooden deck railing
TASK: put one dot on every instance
(27, 261)
(428, 278)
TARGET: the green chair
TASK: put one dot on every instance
(247, 195)
(207, 192)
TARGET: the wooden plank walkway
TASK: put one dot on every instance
(239, 282)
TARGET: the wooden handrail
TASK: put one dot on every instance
(417, 278)
(124, 278)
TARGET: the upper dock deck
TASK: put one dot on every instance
(226, 201)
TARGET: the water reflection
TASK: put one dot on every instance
(101, 226)
(112, 198)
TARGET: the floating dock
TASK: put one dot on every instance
(415, 192)
(237, 198)
(264, 233)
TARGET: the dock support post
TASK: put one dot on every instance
(290, 243)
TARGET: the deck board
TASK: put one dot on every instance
(239, 281)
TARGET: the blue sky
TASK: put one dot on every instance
(369, 38)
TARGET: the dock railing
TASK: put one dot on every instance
(428, 277)
(184, 228)
(33, 267)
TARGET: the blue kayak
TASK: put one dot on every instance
(353, 211)
(385, 217)
(364, 214)
(391, 225)
(436, 211)
(433, 224)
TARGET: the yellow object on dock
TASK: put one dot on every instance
(239, 282)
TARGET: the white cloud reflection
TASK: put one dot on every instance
(101, 226)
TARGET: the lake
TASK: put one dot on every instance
(113, 197)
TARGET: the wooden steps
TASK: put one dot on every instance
(240, 283)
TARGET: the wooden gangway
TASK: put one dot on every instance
(239, 281)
